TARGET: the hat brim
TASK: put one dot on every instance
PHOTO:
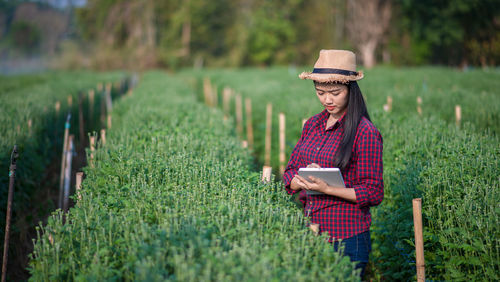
(331, 78)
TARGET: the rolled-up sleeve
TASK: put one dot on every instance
(369, 188)
(294, 163)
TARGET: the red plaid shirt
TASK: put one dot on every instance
(340, 218)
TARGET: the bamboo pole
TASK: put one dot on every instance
(103, 107)
(12, 178)
(269, 113)
(226, 99)
(388, 105)
(419, 241)
(215, 98)
(239, 116)
(419, 105)
(81, 125)
(91, 105)
(30, 123)
(206, 91)
(63, 162)
(282, 142)
(458, 115)
(109, 121)
(67, 172)
(109, 103)
(57, 107)
(103, 137)
(92, 150)
(78, 184)
(248, 109)
(266, 174)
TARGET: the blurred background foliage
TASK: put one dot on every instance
(109, 34)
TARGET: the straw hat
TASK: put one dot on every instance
(334, 66)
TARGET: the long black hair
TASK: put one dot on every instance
(356, 109)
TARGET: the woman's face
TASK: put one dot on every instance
(333, 96)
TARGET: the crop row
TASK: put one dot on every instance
(171, 196)
(454, 169)
(32, 113)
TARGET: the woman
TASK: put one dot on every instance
(340, 136)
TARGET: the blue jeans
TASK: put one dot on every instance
(358, 249)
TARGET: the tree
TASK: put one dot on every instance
(457, 31)
(367, 23)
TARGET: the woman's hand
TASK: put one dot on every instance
(297, 184)
(314, 184)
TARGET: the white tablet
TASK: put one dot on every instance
(331, 175)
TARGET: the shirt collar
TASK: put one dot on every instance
(323, 118)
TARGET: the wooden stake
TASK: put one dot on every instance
(70, 102)
(388, 106)
(109, 104)
(12, 178)
(458, 115)
(244, 144)
(248, 110)
(206, 91)
(419, 241)
(103, 137)
(30, 123)
(215, 98)
(226, 99)
(282, 142)
(91, 105)
(81, 125)
(102, 101)
(79, 176)
(266, 174)
(269, 114)
(67, 172)
(239, 116)
(99, 87)
(92, 150)
(63, 161)
(419, 105)
(109, 121)
(58, 107)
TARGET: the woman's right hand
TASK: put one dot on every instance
(296, 184)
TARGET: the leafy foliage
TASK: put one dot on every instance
(454, 169)
(33, 97)
(171, 197)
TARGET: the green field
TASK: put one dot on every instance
(454, 169)
(31, 99)
(173, 195)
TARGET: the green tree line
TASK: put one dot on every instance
(177, 33)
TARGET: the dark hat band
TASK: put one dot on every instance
(334, 71)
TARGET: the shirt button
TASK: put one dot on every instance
(317, 148)
(310, 203)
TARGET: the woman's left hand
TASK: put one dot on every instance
(314, 184)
